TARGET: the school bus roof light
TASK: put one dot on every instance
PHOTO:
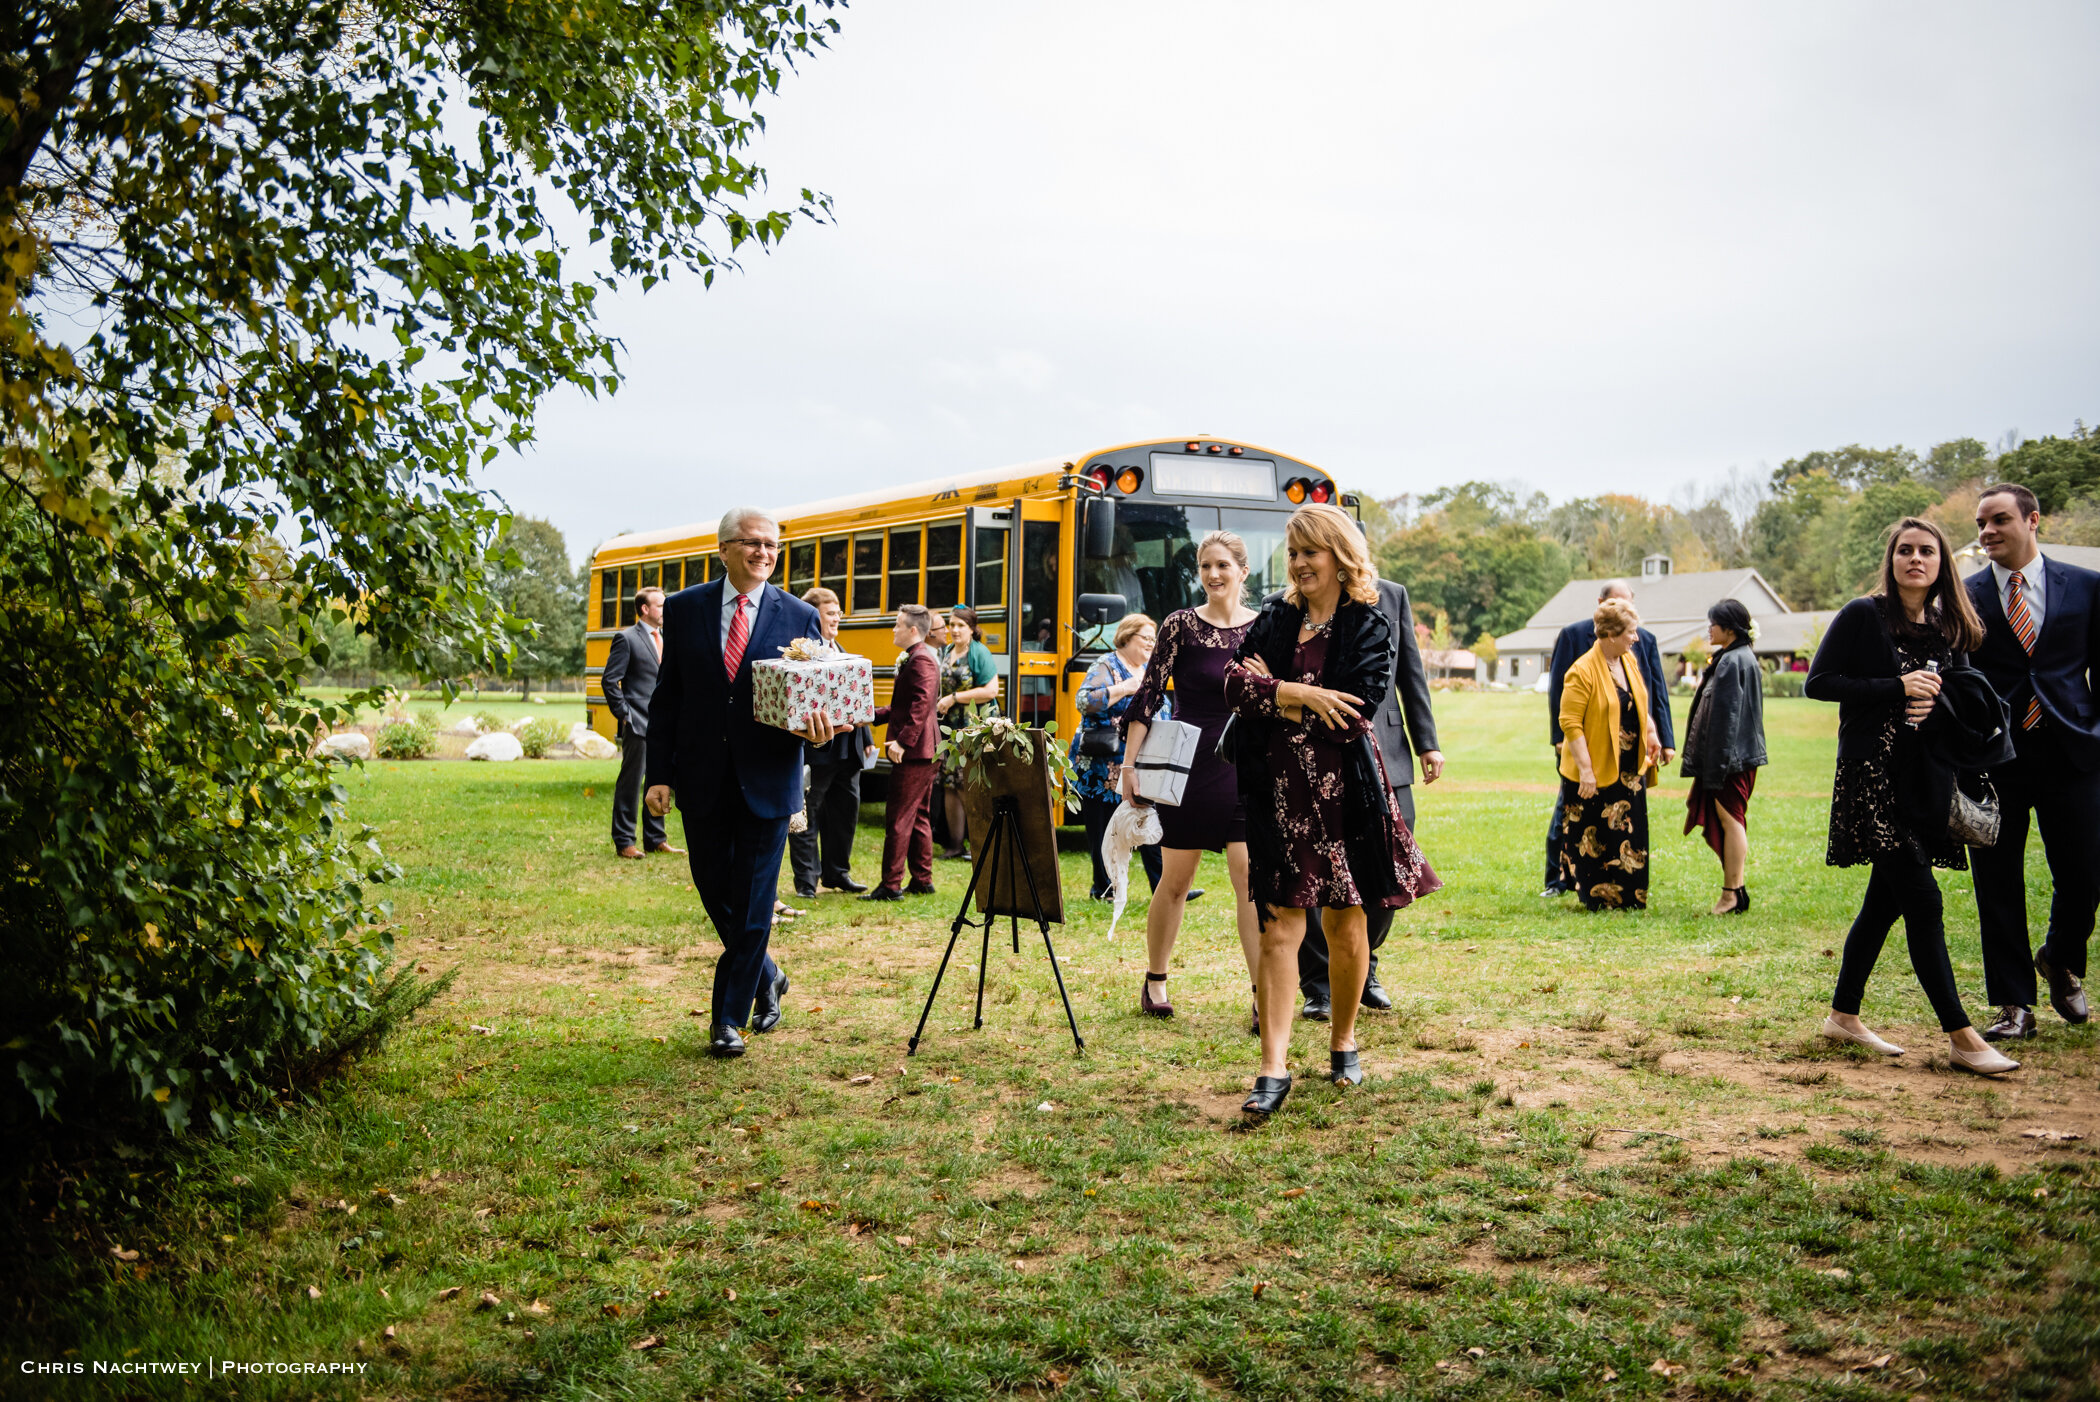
(1217, 447)
(1130, 479)
(1323, 491)
(1098, 475)
(1236, 450)
(1192, 447)
(1295, 490)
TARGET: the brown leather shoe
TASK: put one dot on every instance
(630, 852)
(667, 849)
(2066, 991)
(2014, 1023)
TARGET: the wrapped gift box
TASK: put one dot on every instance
(1163, 763)
(786, 691)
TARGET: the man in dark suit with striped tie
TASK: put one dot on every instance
(736, 781)
(2041, 644)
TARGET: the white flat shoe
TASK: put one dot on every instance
(1988, 1062)
(1865, 1038)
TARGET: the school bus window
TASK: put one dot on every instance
(695, 570)
(652, 576)
(867, 573)
(630, 580)
(833, 557)
(988, 589)
(944, 564)
(802, 566)
(608, 598)
(1038, 587)
(904, 567)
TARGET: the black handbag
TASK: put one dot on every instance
(1099, 742)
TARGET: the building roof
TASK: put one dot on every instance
(1672, 606)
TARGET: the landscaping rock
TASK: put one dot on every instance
(351, 744)
(466, 725)
(501, 747)
(589, 744)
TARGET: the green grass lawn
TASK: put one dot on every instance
(1596, 1156)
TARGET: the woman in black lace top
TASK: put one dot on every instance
(1881, 662)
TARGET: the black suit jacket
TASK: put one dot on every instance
(1578, 638)
(1410, 682)
(704, 721)
(2065, 653)
(629, 680)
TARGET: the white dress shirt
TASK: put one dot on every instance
(729, 609)
(2031, 588)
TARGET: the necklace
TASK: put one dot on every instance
(1313, 630)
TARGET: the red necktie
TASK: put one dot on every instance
(2022, 621)
(739, 636)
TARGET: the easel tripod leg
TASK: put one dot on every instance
(954, 932)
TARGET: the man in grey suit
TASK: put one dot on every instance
(629, 681)
(1395, 727)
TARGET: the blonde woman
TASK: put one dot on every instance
(1322, 828)
(1194, 646)
(1608, 757)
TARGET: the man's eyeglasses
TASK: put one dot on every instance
(755, 546)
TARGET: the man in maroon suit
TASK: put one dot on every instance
(908, 814)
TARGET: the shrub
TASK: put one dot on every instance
(414, 738)
(489, 721)
(1785, 683)
(539, 734)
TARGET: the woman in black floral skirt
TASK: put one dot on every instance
(1321, 826)
(1607, 757)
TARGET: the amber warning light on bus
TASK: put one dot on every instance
(1300, 490)
(1126, 479)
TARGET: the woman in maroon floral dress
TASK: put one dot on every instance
(1321, 826)
(1194, 646)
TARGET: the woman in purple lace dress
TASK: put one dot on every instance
(1322, 829)
(1194, 646)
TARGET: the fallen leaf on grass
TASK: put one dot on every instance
(1294, 1192)
(609, 1311)
(387, 1333)
(1059, 1376)
(488, 1301)
(871, 1279)
(483, 1211)
(696, 1012)
(1664, 1368)
(449, 1291)
(729, 1295)
(1881, 1362)
(2054, 1136)
(1476, 1353)
(1259, 1286)
(862, 1080)
(313, 1292)
(1611, 1375)
(647, 1341)
(659, 1294)
(903, 1241)
(484, 1031)
(1837, 1273)
(1046, 1105)
(122, 1255)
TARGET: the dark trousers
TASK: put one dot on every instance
(1378, 923)
(907, 820)
(735, 859)
(1556, 878)
(825, 850)
(2066, 807)
(1095, 813)
(627, 794)
(1901, 886)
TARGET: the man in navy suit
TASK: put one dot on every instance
(2041, 642)
(1575, 640)
(736, 781)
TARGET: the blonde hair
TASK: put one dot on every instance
(1131, 626)
(1615, 616)
(1230, 543)
(1318, 526)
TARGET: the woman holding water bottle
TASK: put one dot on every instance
(1882, 662)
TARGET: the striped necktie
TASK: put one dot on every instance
(2022, 620)
(739, 637)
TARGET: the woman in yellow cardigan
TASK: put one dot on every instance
(1611, 744)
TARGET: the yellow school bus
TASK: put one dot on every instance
(1037, 549)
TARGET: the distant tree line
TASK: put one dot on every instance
(1484, 556)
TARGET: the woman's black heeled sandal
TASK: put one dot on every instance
(1344, 1068)
(1268, 1097)
(1146, 1005)
(1742, 899)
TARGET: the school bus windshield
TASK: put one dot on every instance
(1154, 562)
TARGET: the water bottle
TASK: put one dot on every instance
(1934, 668)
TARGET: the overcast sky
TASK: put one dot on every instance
(1599, 247)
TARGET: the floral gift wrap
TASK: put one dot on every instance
(809, 677)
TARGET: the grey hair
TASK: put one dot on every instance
(918, 616)
(1615, 587)
(732, 524)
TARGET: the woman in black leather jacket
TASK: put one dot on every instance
(1724, 746)
(1321, 827)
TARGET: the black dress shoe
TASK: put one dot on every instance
(725, 1042)
(1344, 1068)
(1317, 1008)
(765, 1013)
(1375, 997)
(884, 893)
(1268, 1098)
(1195, 894)
(2066, 991)
(809, 894)
(848, 885)
(919, 888)
(2014, 1023)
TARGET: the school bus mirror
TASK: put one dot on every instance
(1100, 528)
(1100, 610)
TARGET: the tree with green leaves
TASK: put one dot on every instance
(536, 584)
(276, 277)
(2059, 471)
